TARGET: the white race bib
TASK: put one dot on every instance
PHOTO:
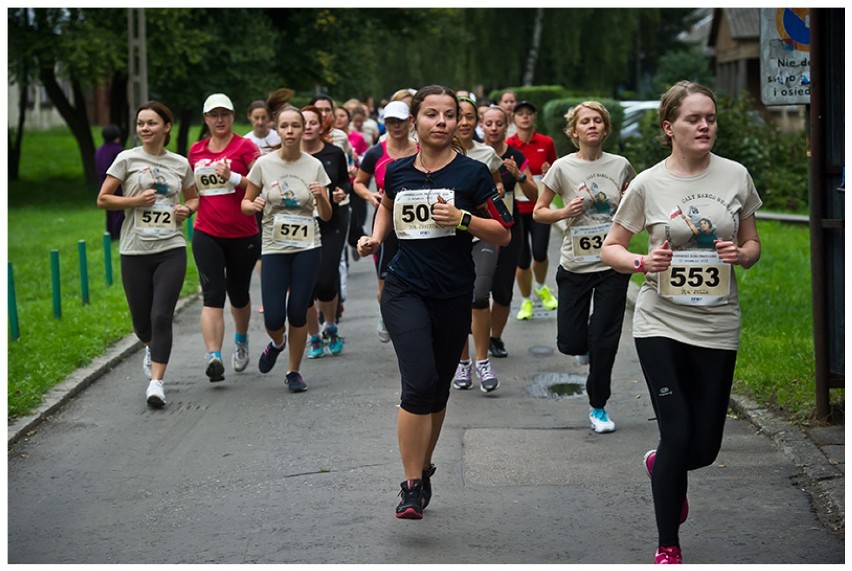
(211, 184)
(157, 220)
(587, 241)
(696, 277)
(412, 214)
(293, 231)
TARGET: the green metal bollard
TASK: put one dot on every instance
(13, 307)
(84, 271)
(108, 258)
(54, 274)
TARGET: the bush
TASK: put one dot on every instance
(554, 122)
(538, 95)
(777, 161)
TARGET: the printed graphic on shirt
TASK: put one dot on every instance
(599, 193)
(697, 275)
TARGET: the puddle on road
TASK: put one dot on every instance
(557, 385)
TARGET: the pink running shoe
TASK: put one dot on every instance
(649, 466)
(668, 556)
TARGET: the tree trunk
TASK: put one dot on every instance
(77, 118)
(532, 55)
(15, 146)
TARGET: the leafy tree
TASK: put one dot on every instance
(676, 65)
(56, 45)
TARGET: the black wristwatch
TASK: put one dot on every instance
(523, 177)
(465, 220)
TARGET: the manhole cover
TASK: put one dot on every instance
(557, 385)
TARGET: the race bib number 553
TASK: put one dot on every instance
(696, 278)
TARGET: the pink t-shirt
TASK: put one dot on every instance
(359, 144)
(219, 213)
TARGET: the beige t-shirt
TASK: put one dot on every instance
(485, 154)
(690, 212)
(289, 224)
(151, 229)
(601, 184)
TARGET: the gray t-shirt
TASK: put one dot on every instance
(600, 183)
(697, 302)
(151, 229)
(288, 224)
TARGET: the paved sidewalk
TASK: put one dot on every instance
(243, 472)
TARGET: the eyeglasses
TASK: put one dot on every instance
(218, 114)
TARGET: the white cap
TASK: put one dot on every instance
(218, 100)
(396, 110)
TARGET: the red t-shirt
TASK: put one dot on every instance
(539, 150)
(220, 214)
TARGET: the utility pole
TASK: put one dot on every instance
(137, 68)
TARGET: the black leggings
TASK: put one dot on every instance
(333, 236)
(428, 336)
(225, 266)
(485, 262)
(286, 287)
(507, 262)
(598, 334)
(152, 285)
(539, 235)
(690, 390)
(387, 250)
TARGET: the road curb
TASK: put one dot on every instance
(78, 380)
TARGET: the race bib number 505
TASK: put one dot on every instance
(696, 278)
(412, 214)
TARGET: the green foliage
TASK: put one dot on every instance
(554, 122)
(538, 95)
(676, 65)
(777, 161)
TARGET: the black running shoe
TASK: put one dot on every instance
(295, 383)
(427, 484)
(495, 345)
(411, 504)
(268, 357)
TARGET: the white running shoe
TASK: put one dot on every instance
(600, 421)
(582, 359)
(488, 381)
(384, 336)
(462, 379)
(146, 363)
(240, 358)
(155, 395)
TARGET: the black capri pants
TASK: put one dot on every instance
(485, 263)
(428, 336)
(333, 237)
(539, 235)
(286, 286)
(507, 261)
(225, 266)
(152, 284)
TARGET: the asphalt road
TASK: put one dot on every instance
(245, 472)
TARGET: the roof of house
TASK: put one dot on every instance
(744, 23)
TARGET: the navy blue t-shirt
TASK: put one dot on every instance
(440, 268)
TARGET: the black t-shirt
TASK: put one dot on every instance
(334, 162)
(509, 181)
(440, 268)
